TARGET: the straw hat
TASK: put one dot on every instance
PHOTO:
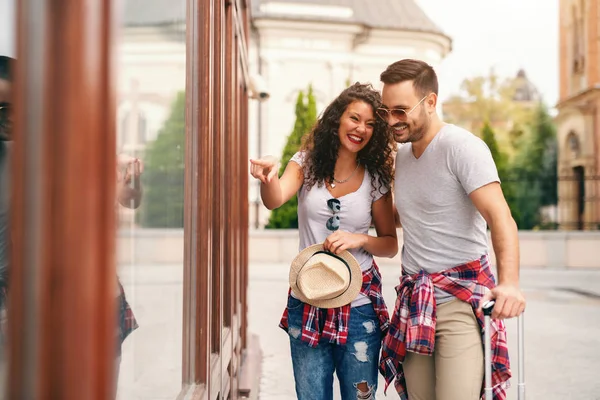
(323, 279)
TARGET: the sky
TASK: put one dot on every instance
(505, 35)
(502, 34)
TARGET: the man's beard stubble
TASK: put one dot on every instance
(418, 130)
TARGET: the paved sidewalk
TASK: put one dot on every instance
(562, 332)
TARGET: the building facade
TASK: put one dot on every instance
(578, 119)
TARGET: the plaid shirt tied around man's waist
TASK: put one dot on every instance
(414, 321)
(334, 321)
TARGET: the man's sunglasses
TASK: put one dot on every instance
(398, 114)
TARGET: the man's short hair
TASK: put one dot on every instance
(419, 72)
(6, 68)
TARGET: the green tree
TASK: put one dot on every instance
(489, 137)
(504, 170)
(163, 178)
(286, 216)
(536, 168)
(489, 99)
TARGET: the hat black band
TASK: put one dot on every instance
(333, 255)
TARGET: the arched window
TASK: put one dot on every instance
(574, 145)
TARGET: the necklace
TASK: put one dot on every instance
(332, 184)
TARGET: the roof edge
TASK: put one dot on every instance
(262, 16)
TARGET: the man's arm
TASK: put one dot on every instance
(490, 202)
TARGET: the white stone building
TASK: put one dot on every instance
(151, 66)
(327, 43)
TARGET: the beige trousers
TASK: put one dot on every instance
(455, 371)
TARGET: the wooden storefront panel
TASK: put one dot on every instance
(217, 100)
(63, 280)
(61, 297)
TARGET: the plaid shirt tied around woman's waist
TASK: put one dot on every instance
(332, 323)
(414, 321)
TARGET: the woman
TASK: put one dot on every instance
(342, 176)
(129, 195)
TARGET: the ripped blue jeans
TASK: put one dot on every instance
(355, 363)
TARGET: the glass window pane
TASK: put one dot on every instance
(150, 142)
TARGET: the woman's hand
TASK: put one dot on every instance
(340, 241)
(129, 169)
(264, 169)
(132, 167)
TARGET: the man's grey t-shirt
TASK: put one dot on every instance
(4, 205)
(441, 226)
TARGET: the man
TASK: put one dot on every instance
(5, 137)
(446, 190)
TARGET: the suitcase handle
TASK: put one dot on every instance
(488, 307)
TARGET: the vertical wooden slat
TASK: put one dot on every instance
(236, 244)
(219, 183)
(205, 188)
(241, 83)
(205, 67)
(198, 191)
(234, 149)
(229, 284)
(244, 179)
(62, 309)
(229, 300)
(219, 179)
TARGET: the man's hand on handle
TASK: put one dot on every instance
(509, 299)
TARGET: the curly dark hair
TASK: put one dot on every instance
(321, 146)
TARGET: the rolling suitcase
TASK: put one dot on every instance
(487, 312)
